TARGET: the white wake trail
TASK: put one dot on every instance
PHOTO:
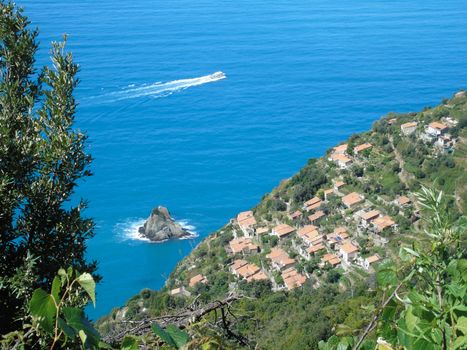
(159, 89)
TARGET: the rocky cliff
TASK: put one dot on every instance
(160, 226)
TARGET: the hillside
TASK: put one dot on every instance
(305, 257)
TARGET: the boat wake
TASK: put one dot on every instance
(160, 89)
(128, 230)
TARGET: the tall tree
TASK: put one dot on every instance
(42, 157)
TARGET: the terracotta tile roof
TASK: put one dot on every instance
(372, 259)
(312, 201)
(329, 191)
(197, 279)
(438, 126)
(246, 219)
(409, 125)
(283, 230)
(307, 229)
(313, 206)
(315, 248)
(340, 149)
(259, 276)
(331, 259)
(238, 263)
(340, 229)
(339, 184)
(349, 248)
(279, 256)
(293, 279)
(352, 198)
(370, 215)
(362, 147)
(340, 158)
(240, 244)
(295, 215)
(318, 215)
(383, 222)
(262, 230)
(248, 270)
(402, 200)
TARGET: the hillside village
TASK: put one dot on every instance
(343, 226)
(330, 225)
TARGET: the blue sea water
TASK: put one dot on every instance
(300, 76)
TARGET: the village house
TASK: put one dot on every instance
(261, 231)
(339, 236)
(328, 193)
(316, 217)
(309, 234)
(331, 259)
(341, 149)
(243, 245)
(352, 199)
(338, 185)
(445, 143)
(179, 292)
(403, 201)
(312, 204)
(349, 252)
(436, 129)
(368, 216)
(197, 279)
(280, 260)
(360, 148)
(295, 215)
(341, 160)
(383, 223)
(367, 262)
(247, 222)
(282, 230)
(293, 279)
(250, 272)
(409, 128)
(314, 249)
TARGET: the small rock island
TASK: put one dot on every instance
(160, 226)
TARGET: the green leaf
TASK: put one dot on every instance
(82, 336)
(386, 275)
(129, 343)
(163, 335)
(69, 332)
(42, 307)
(63, 276)
(56, 285)
(460, 343)
(462, 324)
(180, 337)
(86, 281)
(76, 319)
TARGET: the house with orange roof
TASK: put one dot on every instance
(383, 223)
(261, 231)
(360, 148)
(403, 201)
(243, 245)
(247, 222)
(259, 276)
(328, 193)
(295, 215)
(349, 252)
(352, 199)
(338, 184)
(250, 272)
(280, 260)
(316, 217)
(341, 149)
(314, 249)
(197, 279)
(282, 230)
(368, 216)
(369, 261)
(341, 160)
(331, 259)
(180, 292)
(436, 129)
(339, 236)
(293, 279)
(409, 128)
(312, 204)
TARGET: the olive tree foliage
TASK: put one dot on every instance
(42, 157)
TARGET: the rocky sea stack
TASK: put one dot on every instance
(160, 226)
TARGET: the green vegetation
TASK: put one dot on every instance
(414, 300)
